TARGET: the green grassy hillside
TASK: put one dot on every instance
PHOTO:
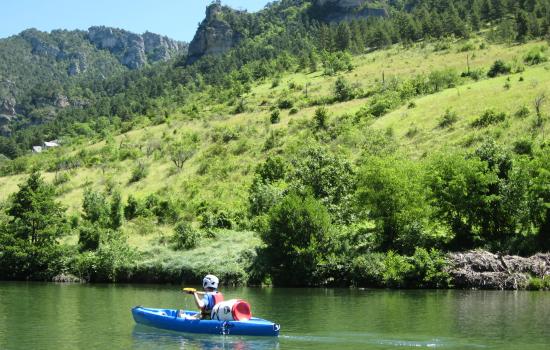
(228, 145)
(231, 145)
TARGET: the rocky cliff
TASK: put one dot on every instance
(215, 35)
(134, 50)
(346, 10)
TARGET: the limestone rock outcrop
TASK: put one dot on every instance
(135, 50)
(214, 36)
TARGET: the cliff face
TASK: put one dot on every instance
(346, 10)
(214, 36)
(134, 50)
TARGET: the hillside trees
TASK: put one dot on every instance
(296, 240)
(28, 237)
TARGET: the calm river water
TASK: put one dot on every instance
(52, 316)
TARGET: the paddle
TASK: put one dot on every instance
(189, 290)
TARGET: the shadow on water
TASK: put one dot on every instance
(148, 338)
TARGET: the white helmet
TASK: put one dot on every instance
(210, 281)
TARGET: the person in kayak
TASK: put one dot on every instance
(209, 298)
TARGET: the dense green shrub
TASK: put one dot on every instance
(185, 236)
(275, 117)
(139, 172)
(328, 178)
(343, 91)
(523, 147)
(448, 119)
(430, 269)
(112, 262)
(489, 117)
(132, 208)
(285, 103)
(321, 117)
(381, 104)
(391, 193)
(29, 228)
(499, 67)
(368, 270)
(89, 237)
(397, 270)
(296, 236)
(337, 62)
(536, 56)
(522, 112)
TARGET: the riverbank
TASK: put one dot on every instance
(465, 270)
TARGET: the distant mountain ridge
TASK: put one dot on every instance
(35, 65)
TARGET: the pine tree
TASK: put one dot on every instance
(343, 36)
(522, 26)
(36, 217)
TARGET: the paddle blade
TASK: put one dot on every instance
(189, 290)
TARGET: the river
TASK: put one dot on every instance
(55, 316)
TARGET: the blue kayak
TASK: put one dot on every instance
(171, 320)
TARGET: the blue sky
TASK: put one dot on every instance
(177, 19)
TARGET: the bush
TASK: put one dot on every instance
(89, 237)
(293, 111)
(489, 117)
(535, 283)
(474, 74)
(381, 104)
(397, 270)
(185, 236)
(113, 261)
(275, 117)
(368, 270)
(321, 118)
(523, 112)
(214, 218)
(285, 103)
(430, 269)
(523, 147)
(535, 56)
(343, 91)
(295, 237)
(448, 119)
(132, 208)
(499, 67)
(139, 172)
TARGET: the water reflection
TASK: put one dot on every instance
(149, 338)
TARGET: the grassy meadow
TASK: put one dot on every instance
(230, 145)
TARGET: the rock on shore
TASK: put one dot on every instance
(483, 270)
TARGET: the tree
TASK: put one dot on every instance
(343, 91)
(522, 25)
(35, 216)
(182, 151)
(296, 239)
(343, 36)
(28, 238)
(459, 190)
(320, 118)
(95, 207)
(115, 214)
(539, 102)
(390, 192)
